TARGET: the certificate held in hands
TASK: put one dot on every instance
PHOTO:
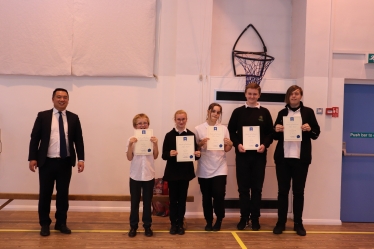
(215, 135)
(144, 145)
(185, 148)
(251, 137)
(292, 128)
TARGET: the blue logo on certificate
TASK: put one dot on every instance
(251, 128)
(256, 145)
(220, 145)
(191, 156)
(149, 150)
(298, 136)
(143, 132)
(215, 128)
(184, 138)
(291, 119)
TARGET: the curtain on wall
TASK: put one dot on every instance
(77, 37)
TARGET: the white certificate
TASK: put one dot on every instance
(251, 137)
(292, 128)
(185, 148)
(216, 136)
(144, 145)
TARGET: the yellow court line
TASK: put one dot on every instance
(337, 232)
(234, 233)
(308, 232)
(240, 242)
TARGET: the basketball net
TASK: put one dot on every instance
(255, 64)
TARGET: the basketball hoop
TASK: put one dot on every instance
(255, 64)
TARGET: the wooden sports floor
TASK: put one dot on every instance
(109, 230)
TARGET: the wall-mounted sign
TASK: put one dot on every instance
(361, 134)
(370, 58)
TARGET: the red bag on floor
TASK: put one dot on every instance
(160, 208)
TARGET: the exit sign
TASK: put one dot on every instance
(370, 58)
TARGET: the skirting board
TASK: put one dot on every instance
(336, 222)
(229, 214)
(71, 208)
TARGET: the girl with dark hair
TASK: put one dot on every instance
(212, 168)
(292, 159)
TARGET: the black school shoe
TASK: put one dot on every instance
(148, 232)
(299, 228)
(173, 230)
(44, 231)
(217, 225)
(279, 228)
(181, 231)
(132, 232)
(242, 224)
(209, 226)
(255, 225)
(63, 228)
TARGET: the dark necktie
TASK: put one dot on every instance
(63, 151)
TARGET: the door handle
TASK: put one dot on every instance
(344, 152)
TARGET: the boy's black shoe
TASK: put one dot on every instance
(209, 226)
(173, 230)
(255, 225)
(217, 225)
(279, 228)
(63, 228)
(44, 231)
(242, 224)
(132, 232)
(148, 232)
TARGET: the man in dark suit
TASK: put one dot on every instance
(53, 137)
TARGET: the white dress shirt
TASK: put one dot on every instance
(257, 105)
(185, 130)
(54, 141)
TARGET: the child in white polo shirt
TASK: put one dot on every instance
(142, 178)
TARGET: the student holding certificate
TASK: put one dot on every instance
(142, 173)
(293, 155)
(179, 150)
(251, 128)
(214, 142)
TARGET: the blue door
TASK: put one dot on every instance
(357, 200)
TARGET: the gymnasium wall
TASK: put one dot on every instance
(193, 46)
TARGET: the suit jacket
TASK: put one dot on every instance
(41, 134)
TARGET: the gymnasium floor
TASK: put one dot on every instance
(19, 229)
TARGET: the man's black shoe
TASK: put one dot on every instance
(63, 228)
(44, 231)
(299, 228)
(132, 232)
